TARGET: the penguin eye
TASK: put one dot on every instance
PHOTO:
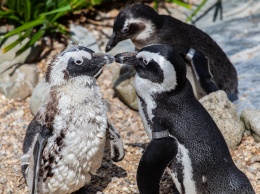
(145, 61)
(125, 29)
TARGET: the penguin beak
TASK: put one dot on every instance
(128, 58)
(113, 41)
(101, 59)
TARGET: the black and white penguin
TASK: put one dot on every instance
(183, 136)
(64, 143)
(210, 69)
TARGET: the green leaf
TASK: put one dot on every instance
(62, 9)
(181, 3)
(34, 39)
(11, 4)
(38, 9)
(25, 27)
(19, 40)
(196, 10)
(27, 10)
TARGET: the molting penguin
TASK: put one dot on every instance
(184, 137)
(64, 143)
(210, 68)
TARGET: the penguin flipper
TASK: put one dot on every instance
(116, 144)
(37, 154)
(157, 156)
(200, 65)
(35, 162)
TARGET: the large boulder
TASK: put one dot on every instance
(124, 86)
(82, 36)
(225, 116)
(18, 81)
(251, 119)
(17, 77)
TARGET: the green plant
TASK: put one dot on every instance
(36, 18)
(186, 5)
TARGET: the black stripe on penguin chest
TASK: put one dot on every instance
(144, 108)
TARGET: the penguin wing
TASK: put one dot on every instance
(31, 161)
(157, 156)
(200, 65)
(116, 144)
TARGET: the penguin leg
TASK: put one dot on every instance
(37, 154)
(200, 65)
(157, 156)
(116, 144)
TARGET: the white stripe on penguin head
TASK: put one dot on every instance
(146, 88)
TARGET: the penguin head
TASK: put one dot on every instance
(136, 21)
(157, 66)
(74, 62)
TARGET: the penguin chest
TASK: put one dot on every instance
(75, 150)
(146, 120)
(197, 89)
(182, 172)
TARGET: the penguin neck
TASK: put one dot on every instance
(148, 35)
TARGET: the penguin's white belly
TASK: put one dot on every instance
(183, 159)
(197, 89)
(80, 154)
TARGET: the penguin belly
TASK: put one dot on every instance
(181, 171)
(74, 151)
(196, 87)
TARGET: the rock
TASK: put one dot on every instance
(224, 114)
(28, 56)
(251, 118)
(38, 96)
(123, 46)
(124, 86)
(17, 81)
(126, 92)
(239, 38)
(84, 37)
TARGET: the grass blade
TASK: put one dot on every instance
(196, 10)
(24, 27)
(62, 9)
(19, 40)
(27, 10)
(37, 36)
(181, 3)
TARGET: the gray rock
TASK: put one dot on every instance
(239, 38)
(124, 86)
(126, 92)
(17, 81)
(251, 118)
(38, 96)
(123, 46)
(83, 37)
(224, 114)
(28, 56)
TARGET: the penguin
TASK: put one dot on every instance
(144, 26)
(64, 142)
(183, 135)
